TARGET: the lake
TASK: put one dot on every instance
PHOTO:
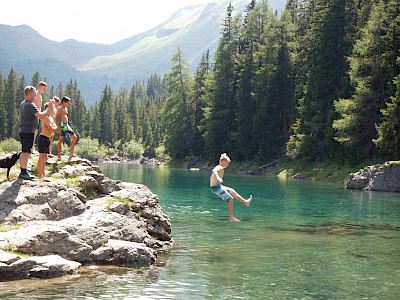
(297, 240)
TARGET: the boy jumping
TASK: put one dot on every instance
(227, 194)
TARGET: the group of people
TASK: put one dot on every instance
(53, 118)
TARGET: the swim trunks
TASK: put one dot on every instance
(222, 192)
(44, 144)
(66, 130)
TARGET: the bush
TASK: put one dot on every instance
(133, 149)
(10, 145)
(161, 153)
(88, 148)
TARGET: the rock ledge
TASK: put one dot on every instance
(384, 178)
(50, 228)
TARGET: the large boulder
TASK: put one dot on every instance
(384, 177)
(36, 266)
(77, 218)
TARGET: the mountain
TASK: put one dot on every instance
(195, 29)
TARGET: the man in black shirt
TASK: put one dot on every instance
(28, 115)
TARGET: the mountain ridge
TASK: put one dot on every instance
(195, 29)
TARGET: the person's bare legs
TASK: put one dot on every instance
(240, 198)
(41, 165)
(230, 211)
(34, 139)
(51, 147)
(73, 143)
(60, 141)
(23, 160)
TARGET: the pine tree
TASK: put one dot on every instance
(133, 113)
(178, 110)
(221, 125)
(245, 69)
(107, 118)
(199, 93)
(372, 69)
(388, 141)
(11, 100)
(325, 68)
(18, 99)
(3, 110)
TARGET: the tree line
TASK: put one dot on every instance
(319, 82)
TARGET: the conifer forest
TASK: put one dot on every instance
(317, 81)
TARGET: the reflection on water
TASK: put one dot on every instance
(297, 240)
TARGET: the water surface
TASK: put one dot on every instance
(297, 240)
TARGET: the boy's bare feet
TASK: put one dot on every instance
(248, 201)
(234, 220)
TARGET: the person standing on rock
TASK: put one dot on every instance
(38, 103)
(227, 194)
(48, 128)
(57, 103)
(64, 130)
(28, 123)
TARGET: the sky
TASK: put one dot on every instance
(101, 21)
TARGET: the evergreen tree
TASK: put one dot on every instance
(18, 99)
(35, 80)
(107, 118)
(325, 68)
(95, 121)
(245, 73)
(372, 69)
(200, 103)
(221, 125)
(59, 91)
(147, 137)
(388, 141)
(178, 109)
(77, 114)
(133, 110)
(3, 110)
(11, 100)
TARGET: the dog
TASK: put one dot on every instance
(7, 162)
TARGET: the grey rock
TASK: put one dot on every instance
(299, 176)
(121, 223)
(132, 253)
(384, 177)
(8, 258)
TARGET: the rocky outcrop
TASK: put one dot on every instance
(78, 217)
(384, 177)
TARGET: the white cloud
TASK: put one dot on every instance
(102, 21)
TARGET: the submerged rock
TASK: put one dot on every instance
(384, 178)
(77, 218)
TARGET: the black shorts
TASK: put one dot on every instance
(26, 141)
(44, 144)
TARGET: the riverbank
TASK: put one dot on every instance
(327, 171)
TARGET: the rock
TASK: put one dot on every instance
(384, 177)
(119, 207)
(8, 258)
(37, 200)
(52, 265)
(132, 253)
(299, 176)
(117, 222)
(43, 267)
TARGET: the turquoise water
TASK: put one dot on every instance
(297, 240)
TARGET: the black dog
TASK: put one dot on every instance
(7, 162)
